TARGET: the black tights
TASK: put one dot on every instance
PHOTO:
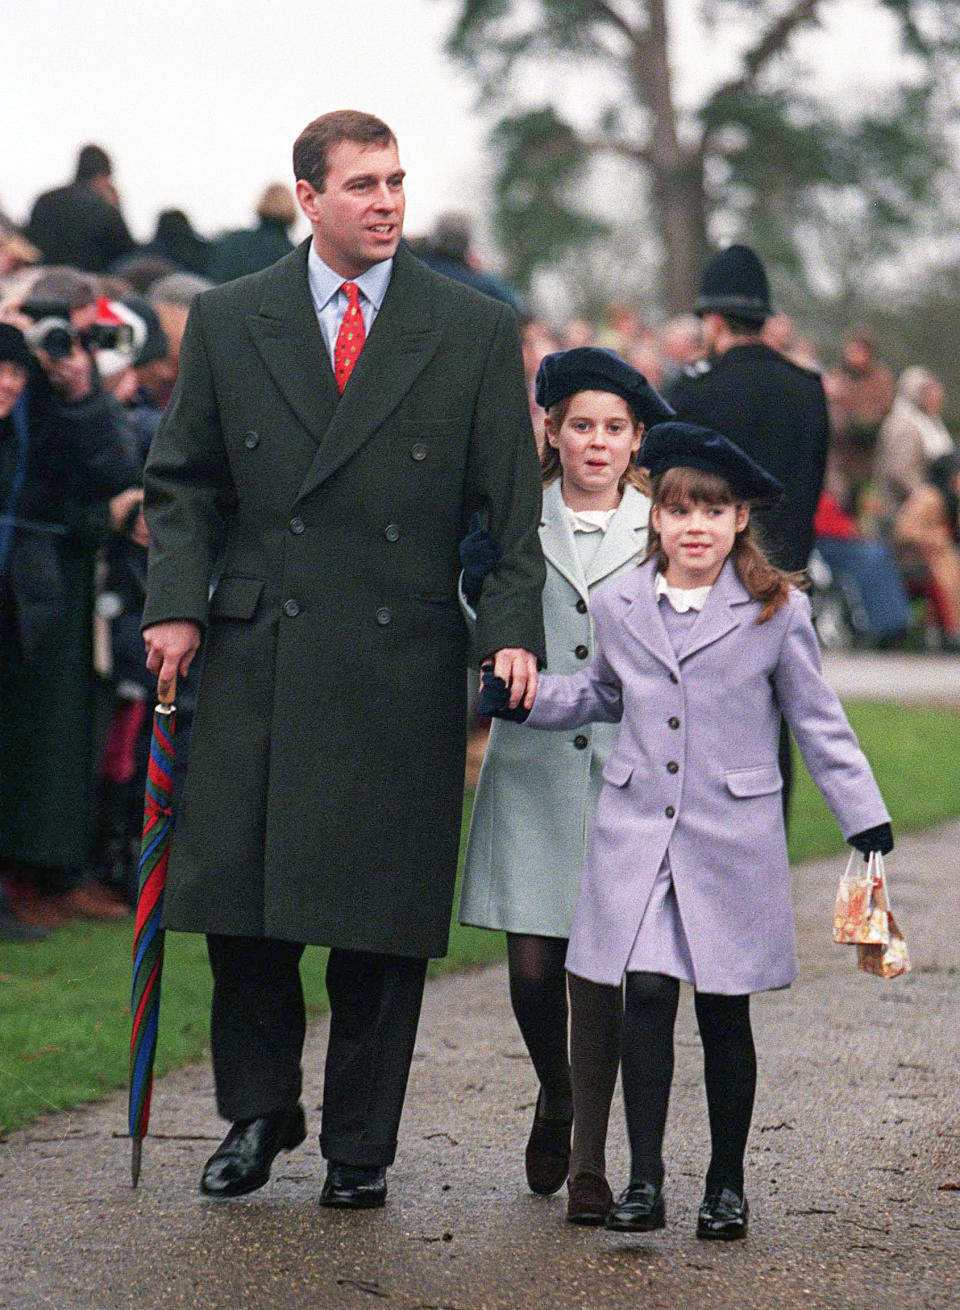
(538, 994)
(730, 1074)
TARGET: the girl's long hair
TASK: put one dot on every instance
(551, 468)
(766, 583)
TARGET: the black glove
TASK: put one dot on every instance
(479, 553)
(879, 839)
(494, 698)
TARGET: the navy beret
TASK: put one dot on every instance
(13, 346)
(685, 445)
(591, 368)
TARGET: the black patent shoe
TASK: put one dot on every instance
(640, 1209)
(547, 1157)
(241, 1163)
(354, 1187)
(722, 1216)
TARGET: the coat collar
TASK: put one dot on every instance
(622, 541)
(644, 621)
(402, 340)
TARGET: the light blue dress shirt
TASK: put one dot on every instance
(330, 303)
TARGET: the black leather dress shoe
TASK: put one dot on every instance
(722, 1216)
(241, 1163)
(354, 1187)
(547, 1157)
(640, 1209)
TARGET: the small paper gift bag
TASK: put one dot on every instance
(887, 959)
(859, 919)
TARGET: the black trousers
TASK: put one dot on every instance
(257, 1029)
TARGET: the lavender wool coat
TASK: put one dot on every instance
(695, 770)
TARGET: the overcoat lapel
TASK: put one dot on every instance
(287, 335)
(556, 539)
(642, 618)
(717, 617)
(403, 340)
(624, 538)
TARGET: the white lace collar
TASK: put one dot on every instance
(683, 598)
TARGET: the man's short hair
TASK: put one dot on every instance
(178, 289)
(311, 150)
(93, 161)
(61, 282)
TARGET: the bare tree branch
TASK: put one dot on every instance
(637, 154)
(772, 43)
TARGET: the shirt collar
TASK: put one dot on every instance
(325, 282)
(682, 598)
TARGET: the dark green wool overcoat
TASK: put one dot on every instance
(324, 789)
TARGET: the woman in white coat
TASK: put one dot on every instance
(536, 795)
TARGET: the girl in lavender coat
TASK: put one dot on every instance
(699, 652)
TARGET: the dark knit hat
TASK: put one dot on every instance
(13, 346)
(685, 445)
(734, 282)
(591, 368)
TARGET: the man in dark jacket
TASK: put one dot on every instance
(773, 409)
(80, 224)
(248, 250)
(337, 420)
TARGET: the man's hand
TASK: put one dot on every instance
(518, 669)
(71, 377)
(171, 647)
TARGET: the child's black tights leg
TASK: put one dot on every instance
(646, 1055)
(730, 1074)
(596, 1015)
(538, 994)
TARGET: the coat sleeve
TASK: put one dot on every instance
(592, 696)
(827, 743)
(188, 491)
(503, 486)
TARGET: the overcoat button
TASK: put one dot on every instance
(673, 722)
(674, 678)
(297, 526)
(418, 450)
(581, 652)
(384, 616)
(291, 608)
(581, 606)
(669, 811)
(580, 742)
(673, 767)
(392, 532)
(251, 440)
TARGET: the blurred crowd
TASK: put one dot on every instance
(90, 330)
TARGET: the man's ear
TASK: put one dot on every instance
(306, 198)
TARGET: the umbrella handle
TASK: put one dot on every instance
(167, 693)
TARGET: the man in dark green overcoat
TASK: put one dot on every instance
(337, 419)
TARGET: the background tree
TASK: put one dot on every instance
(824, 190)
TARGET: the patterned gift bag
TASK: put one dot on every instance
(859, 917)
(887, 959)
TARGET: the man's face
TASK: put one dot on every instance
(357, 219)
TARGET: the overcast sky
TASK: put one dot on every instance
(199, 101)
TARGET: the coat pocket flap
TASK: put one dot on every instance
(754, 782)
(617, 771)
(235, 598)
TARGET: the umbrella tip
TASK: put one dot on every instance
(137, 1147)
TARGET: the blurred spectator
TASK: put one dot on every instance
(681, 343)
(171, 297)
(141, 271)
(927, 526)
(176, 241)
(911, 437)
(780, 333)
(621, 328)
(577, 332)
(61, 459)
(15, 250)
(860, 392)
(866, 572)
(80, 224)
(536, 340)
(646, 357)
(447, 250)
(250, 249)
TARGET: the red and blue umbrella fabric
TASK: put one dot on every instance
(148, 935)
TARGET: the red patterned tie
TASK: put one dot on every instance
(350, 338)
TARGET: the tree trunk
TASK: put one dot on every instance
(680, 218)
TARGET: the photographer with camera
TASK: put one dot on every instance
(61, 460)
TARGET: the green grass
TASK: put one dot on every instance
(64, 1002)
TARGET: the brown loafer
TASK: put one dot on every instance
(547, 1156)
(589, 1199)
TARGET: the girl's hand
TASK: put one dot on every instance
(879, 839)
(494, 698)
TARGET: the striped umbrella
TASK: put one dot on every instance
(148, 936)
